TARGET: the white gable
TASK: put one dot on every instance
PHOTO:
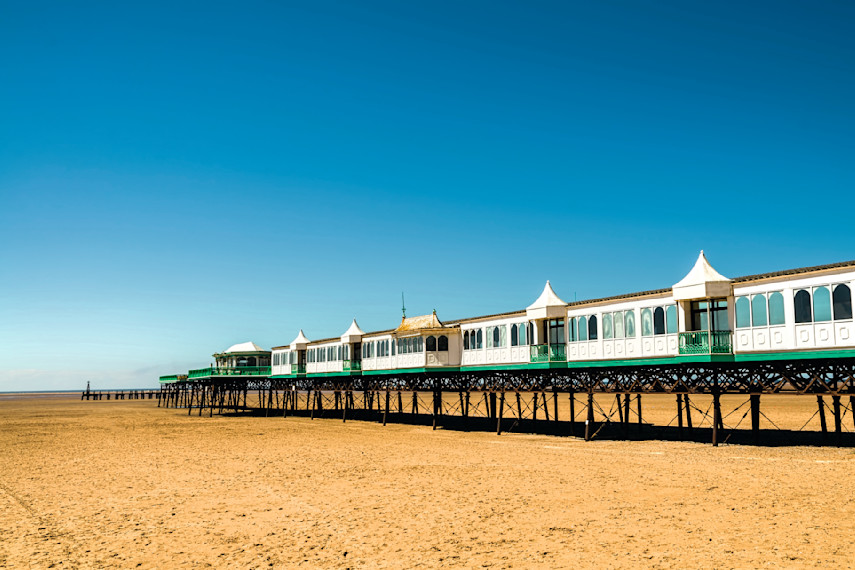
(702, 282)
(353, 333)
(547, 306)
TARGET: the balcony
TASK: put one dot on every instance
(172, 378)
(548, 353)
(298, 369)
(706, 342)
(351, 365)
(236, 371)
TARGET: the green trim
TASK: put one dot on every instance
(803, 355)
(347, 373)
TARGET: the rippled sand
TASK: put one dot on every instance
(100, 484)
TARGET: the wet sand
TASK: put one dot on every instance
(127, 484)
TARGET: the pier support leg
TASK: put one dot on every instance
(838, 426)
(573, 413)
(626, 409)
(755, 417)
(687, 405)
(680, 414)
(640, 423)
(589, 422)
(555, 403)
(386, 411)
(822, 424)
(501, 410)
(716, 416)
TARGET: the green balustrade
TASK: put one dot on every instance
(298, 369)
(548, 353)
(351, 365)
(233, 371)
(706, 342)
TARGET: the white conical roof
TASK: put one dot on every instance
(353, 333)
(547, 306)
(300, 342)
(702, 282)
(244, 347)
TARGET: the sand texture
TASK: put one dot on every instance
(127, 484)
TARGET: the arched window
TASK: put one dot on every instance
(523, 335)
(496, 336)
(821, 304)
(671, 319)
(421, 342)
(619, 328)
(630, 324)
(802, 306)
(466, 340)
(573, 334)
(646, 322)
(758, 310)
(592, 327)
(442, 344)
(394, 343)
(658, 320)
(776, 308)
(743, 312)
(607, 325)
(479, 341)
(583, 328)
(514, 336)
(842, 302)
(431, 343)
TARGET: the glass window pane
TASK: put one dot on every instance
(658, 320)
(821, 304)
(573, 336)
(592, 327)
(618, 318)
(646, 322)
(503, 335)
(442, 343)
(583, 328)
(671, 319)
(758, 310)
(431, 343)
(802, 306)
(607, 325)
(743, 312)
(514, 335)
(842, 302)
(479, 341)
(630, 324)
(496, 337)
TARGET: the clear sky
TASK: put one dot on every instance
(178, 177)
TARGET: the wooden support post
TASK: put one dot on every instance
(640, 423)
(555, 403)
(838, 420)
(716, 416)
(386, 411)
(852, 407)
(619, 409)
(203, 390)
(435, 406)
(344, 407)
(400, 402)
(534, 407)
(545, 406)
(755, 416)
(415, 403)
(572, 413)
(467, 404)
(493, 414)
(190, 403)
(501, 410)
(822, 423)
(589, 422)
(680, 413)
(519, 405)
(688, 408)
(309, 401)
(626, 409)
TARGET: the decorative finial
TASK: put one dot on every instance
(403, 307)
(434, 312)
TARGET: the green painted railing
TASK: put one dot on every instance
(706, 342)
(236, 371)
(351, 365)
(548, 353)
(172, 378)
(298, 369)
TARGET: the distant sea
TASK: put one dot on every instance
(58, 393)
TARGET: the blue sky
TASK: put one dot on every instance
(179, 177)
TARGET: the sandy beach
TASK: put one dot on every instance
(127, 484)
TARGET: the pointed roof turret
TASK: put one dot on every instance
(547, 306)
(353, 333)
(244, 347)
(702, 282)
(422, 322)
(300, 342)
